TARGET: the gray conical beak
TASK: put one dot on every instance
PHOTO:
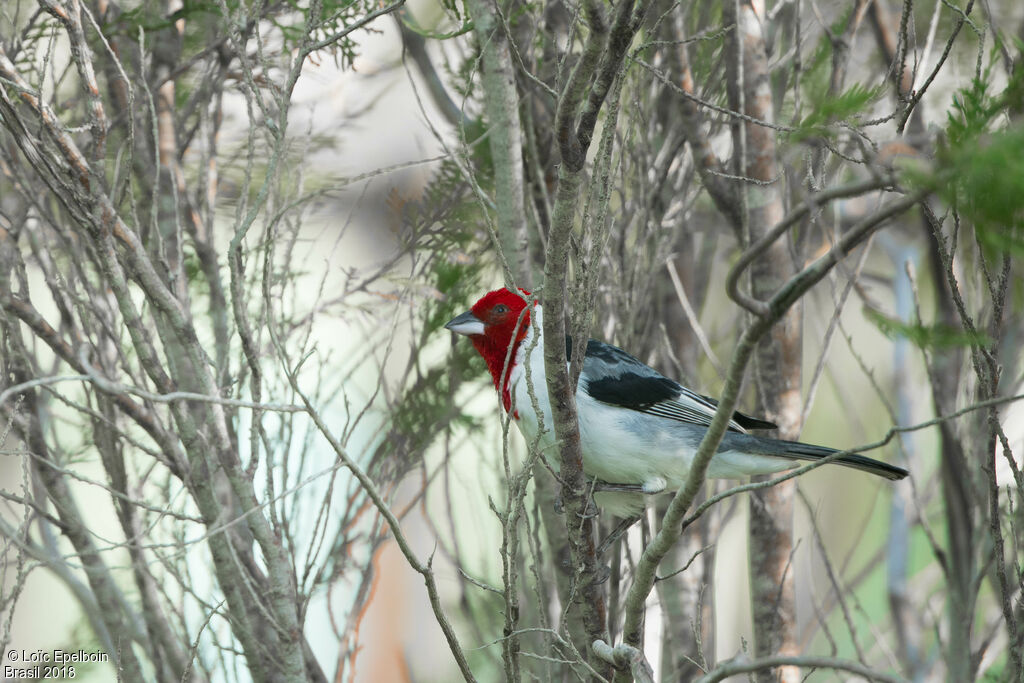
(467, 324)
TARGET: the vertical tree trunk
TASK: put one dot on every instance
(501, 105)
(778, 355)
(957, 479)
(688, 605)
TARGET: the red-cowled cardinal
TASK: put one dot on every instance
(636, 426)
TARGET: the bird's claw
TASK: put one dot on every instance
(590, 511)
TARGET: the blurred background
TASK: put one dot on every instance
(238, 444)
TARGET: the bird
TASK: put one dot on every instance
(638, 428)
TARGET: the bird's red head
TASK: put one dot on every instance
(496, 324)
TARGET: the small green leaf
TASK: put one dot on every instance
(940, 336)
(979, 166)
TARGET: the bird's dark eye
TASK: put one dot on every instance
(501, 308)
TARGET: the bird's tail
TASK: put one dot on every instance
(806, 451)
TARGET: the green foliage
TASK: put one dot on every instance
(979, 167)
(923, 336)
(429, 405)
(151, 16)
(291, 19)
(442, 228)
(825, 107)
(445, 218)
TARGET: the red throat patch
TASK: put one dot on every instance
(506, 321)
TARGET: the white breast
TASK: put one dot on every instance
(617, 446)
(620, 446)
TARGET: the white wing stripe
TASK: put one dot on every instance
(686, 412)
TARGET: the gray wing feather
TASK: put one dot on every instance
(612, 376)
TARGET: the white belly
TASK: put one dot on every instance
(622, 446)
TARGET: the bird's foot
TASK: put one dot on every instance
(591, 510)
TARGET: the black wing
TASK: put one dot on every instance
(612, 376)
